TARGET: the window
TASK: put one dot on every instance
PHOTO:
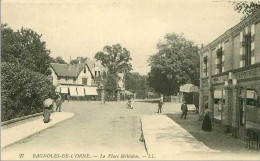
(99, 73)
(247, 44)
(84, 69)
(219, 64)
(85, 81)
(205, 66)
(95, 73)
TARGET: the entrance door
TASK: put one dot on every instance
(241, 127)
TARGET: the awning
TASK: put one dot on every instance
(73, 91)
(188, 88)
(64, 90)
(127, 92)
(90, 90)
(81, 91)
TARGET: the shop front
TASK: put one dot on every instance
(245, 114)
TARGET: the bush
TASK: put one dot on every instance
(23, 91)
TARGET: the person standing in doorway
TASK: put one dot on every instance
(184, 109)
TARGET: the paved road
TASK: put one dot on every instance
(95, 129)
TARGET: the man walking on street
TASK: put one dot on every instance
(58, 103)
(184, 110)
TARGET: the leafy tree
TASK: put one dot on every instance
(76, 61)
(24, 70)
(25, 46)
(136, 83)
(175, 64)
(246, 7)
(58, 59)
(115, 58)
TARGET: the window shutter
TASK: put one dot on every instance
(253, 29)
(241, 37)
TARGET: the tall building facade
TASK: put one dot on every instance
(230, 77)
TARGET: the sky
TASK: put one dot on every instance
(83, 27)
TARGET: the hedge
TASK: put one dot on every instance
(22, 91)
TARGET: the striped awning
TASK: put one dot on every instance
(64, 90)
(73, 91)
(91, 91)
(80, 91)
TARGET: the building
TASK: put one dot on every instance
(230, 77)
(77, 80)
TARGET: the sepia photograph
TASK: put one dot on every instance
(130, 80)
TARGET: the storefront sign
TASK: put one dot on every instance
(218, 94)
(248, 73)
(250, 94)
(220, 79)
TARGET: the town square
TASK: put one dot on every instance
(130, 80)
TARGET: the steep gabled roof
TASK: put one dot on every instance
(69, 70)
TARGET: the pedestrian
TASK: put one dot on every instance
(58, 103)
(132, 103)
(160, 106)
(184, 109)
(206, 125)
(128, 103)
(48, 105)
(68, 98)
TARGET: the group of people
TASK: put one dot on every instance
(48, 105)
(206, 125)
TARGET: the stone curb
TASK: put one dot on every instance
(20, 119)
(29, 134)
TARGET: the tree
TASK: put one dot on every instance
(24, 73)
(81, 59)
(247, 8)
(116, 59)
(176, 63)
(136, 83)
(110, 85)
(25, 46)
(58, 59)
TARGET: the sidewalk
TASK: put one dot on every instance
(165, 139)
(14, 134)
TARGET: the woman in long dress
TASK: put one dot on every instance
(206, 125)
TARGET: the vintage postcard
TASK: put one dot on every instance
(130, 80)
